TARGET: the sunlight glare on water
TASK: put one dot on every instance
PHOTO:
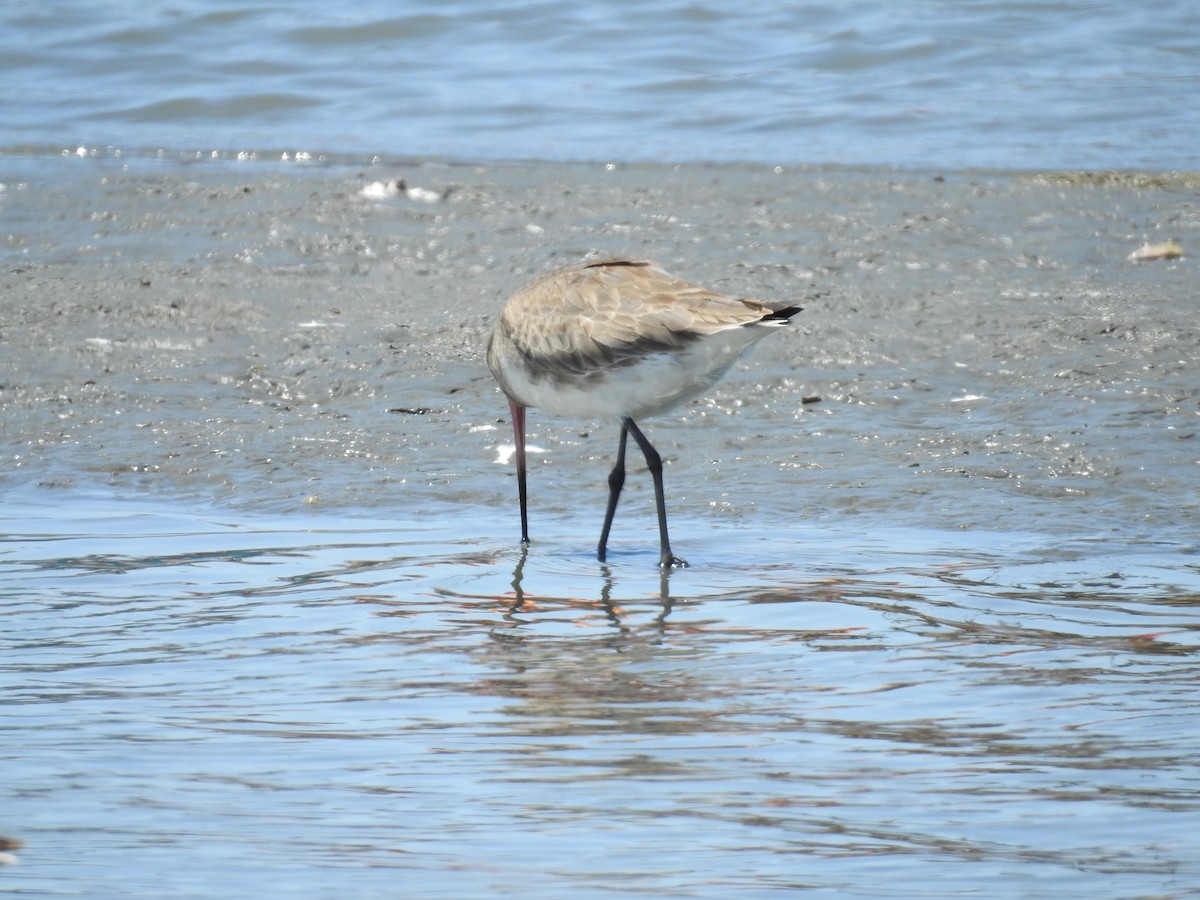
(217, 700)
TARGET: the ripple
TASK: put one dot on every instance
(408, 698)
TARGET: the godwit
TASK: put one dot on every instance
(618, 338)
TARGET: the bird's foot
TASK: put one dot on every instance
(672, 562)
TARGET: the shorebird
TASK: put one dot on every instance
(618, 339)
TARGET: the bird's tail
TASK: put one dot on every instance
(779, 314)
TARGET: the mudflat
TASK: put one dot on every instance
(976, 349)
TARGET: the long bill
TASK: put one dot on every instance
(518, 421)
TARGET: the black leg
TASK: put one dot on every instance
(666, 559)
(616, 480)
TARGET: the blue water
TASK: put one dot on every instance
(207, 705)
(983, 84)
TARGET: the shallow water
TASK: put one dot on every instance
(203, 703)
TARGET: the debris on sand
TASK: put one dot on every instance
(1166, 250)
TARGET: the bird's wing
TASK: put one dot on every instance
(614, 312)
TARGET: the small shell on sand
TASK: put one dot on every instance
(1166, 250)
(385, 190)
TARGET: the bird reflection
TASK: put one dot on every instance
(522, 603)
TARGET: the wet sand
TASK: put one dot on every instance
(976, 350)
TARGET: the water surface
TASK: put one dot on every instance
(201, 704)
(1097, 84)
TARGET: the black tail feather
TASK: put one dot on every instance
(782, 314)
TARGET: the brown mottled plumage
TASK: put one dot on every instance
(618, 338)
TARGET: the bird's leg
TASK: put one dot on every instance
(616, 480)
(518, 420)
(654, 462)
